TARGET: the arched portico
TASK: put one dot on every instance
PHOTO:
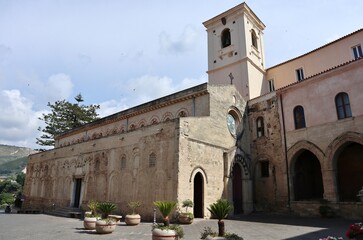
(344, 158)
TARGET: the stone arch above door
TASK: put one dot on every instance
(195, 171)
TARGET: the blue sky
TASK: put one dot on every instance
(120, 53)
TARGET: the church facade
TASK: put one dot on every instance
(278, 139)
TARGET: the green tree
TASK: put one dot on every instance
(6, 198)
(63, 117)
(9, 186)
(20, 178)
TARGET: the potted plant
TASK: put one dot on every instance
(166, 231)
(186, 217)
(355, 231)
(134, 218)
(220, 210)
(90, 217)
(105, 224)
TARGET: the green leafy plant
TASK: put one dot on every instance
(92, 206)
(220, 210)
(106, 208)
(165, 208)
(133, 206)
(187, 204)
(207, 231)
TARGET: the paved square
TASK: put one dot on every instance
(250, 227)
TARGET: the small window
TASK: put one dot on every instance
(254, 39)
(260, 127)
(152, 160)
(357, 51)
(300, 74)
(299, 117)
(265, 167)
(123, 162)
(271, 85)
(226, 38)
(343, 105)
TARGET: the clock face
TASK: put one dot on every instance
(231, 123)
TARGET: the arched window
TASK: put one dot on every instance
(343, 105)
(226, 38)
(152, 160)
(260, 127)
(264, 168)
(254, 39)
(123, 162)
(299, 117)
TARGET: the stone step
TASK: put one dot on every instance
(69, 212)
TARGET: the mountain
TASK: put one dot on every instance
(13, 159)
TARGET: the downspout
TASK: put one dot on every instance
(193, 107)
(285, 147)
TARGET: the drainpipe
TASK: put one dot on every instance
(285, 147)
(193, 107)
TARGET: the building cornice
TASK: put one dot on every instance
(171, 99)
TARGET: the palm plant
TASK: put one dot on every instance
(165, 208)
(220, 210)
(106, 208)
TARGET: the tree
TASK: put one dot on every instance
(65, 116)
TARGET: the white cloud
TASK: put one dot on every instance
(59, 86)
(147, 88)
(110, 107)
(18, 121)
(186, 41)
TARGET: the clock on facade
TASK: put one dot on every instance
(231, 123)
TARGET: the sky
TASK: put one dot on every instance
(119, 54)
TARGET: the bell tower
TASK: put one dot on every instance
(235, 50)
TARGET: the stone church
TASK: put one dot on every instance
(278, 139)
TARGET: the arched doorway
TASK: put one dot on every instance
(237, 189)
(308, 182)
(349, 172)
(198, 195)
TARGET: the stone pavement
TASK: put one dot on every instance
(250, 227)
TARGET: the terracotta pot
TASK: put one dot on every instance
(132, 219)
(185, 219)
(103, 226)
(89, 223)
(159, 234)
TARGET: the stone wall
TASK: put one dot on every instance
(270, 191)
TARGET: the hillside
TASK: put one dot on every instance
(13, 159)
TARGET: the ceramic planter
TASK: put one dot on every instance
(159, 234)
(132, 219)
(89, 223)
(215, 238)
(105, 226)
